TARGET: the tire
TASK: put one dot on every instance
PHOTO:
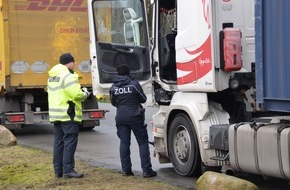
(87, 125)
(183, 147)
(81, 128)
(205, 168)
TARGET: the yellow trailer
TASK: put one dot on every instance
(33, 34)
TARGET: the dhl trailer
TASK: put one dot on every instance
(33, 34)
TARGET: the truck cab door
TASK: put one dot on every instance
(118, 27)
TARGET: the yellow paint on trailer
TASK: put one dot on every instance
(4, 44)
(38, 33)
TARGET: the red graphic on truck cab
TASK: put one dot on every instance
(55, 5)
(197, 67)
(201, 63)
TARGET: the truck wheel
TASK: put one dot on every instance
(81, 128)
(183, 147)
(205, 168)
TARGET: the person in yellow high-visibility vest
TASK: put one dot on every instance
(65, 98)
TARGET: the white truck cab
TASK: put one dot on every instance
(199, 64)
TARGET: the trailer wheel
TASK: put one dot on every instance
(81, 128)
(183, 147)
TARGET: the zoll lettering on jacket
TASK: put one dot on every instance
(124, 90)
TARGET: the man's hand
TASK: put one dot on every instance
(84, 89)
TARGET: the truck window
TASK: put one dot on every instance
(120, 28)
(168, 32)
(117, 22)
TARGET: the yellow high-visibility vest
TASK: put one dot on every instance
(63, 86)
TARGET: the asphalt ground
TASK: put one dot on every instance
(100, 147)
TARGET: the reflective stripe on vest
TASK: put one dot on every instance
(60, 114)
(63, 118)
(62, 85)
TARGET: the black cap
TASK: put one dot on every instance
(66, 58)
(123, 70)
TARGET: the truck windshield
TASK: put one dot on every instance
(119, 22)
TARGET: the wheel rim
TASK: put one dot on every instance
(182, 144)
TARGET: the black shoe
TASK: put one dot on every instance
(58, 175)
(130, 173)
(150, 173)
(72, 175)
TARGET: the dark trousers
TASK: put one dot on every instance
(65, 144)
(140, 132)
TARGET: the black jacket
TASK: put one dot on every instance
(127, 95)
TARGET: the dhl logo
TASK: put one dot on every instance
(53, 5)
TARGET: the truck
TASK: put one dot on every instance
(33, 34)
(217, 71)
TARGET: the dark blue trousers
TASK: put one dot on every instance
(140, 132)
(65, 144)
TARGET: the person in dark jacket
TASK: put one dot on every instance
(127, 95)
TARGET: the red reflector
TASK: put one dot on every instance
(97, 114)
(15, 118)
